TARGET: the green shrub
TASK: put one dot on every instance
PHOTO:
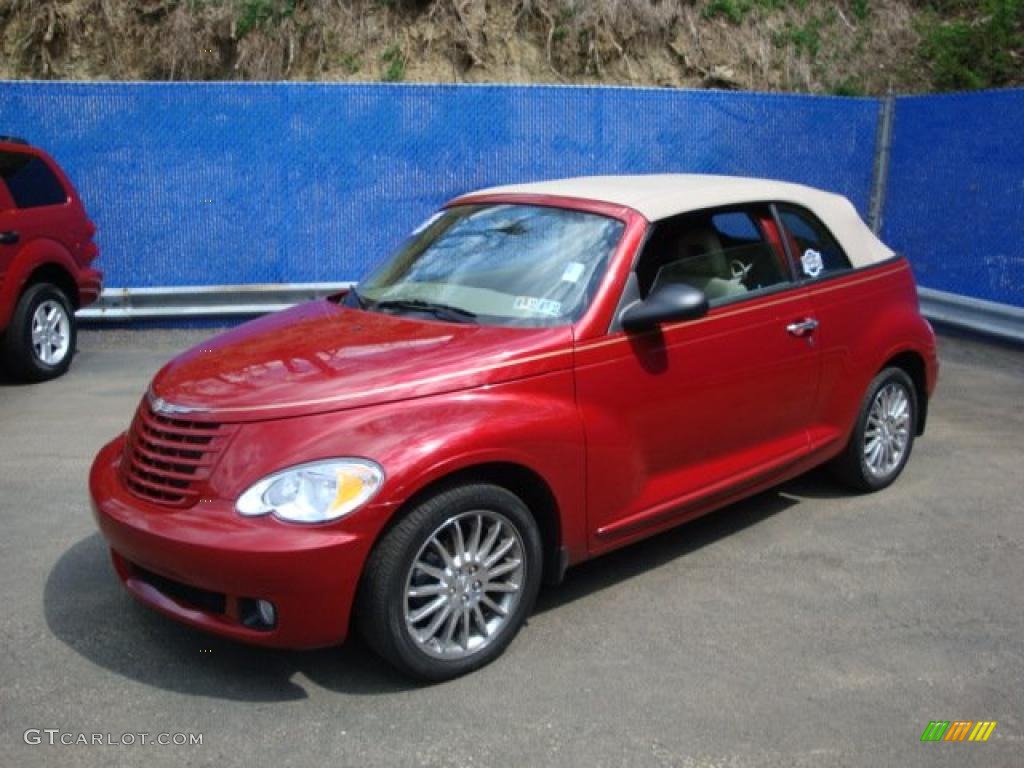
(735, 11)
(256, 13)
(350, 62)
(978, 50)
(730, 10)
(848, 87)
(805, 38)
(394, 64)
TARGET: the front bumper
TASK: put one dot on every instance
(202, 565)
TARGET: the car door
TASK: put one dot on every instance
(33, 203)
(696, 411)
(9, 235)
(840, 295)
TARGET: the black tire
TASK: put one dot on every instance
(16, 348)
(381, 607)
(852, 467)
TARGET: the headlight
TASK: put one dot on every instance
(314, 492)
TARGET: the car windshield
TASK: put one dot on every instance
(498, 264)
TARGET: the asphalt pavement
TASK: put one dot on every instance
(807, 626)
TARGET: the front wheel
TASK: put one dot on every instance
(884, 434)
(40, 340)
(448, 587)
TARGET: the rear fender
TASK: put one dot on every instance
(30, 257)
(893, 327)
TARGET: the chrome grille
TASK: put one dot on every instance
(168, 460)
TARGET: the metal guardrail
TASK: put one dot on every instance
(1000, 321)
(185, 302)
(126, 304)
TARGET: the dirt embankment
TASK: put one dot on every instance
(850, 47)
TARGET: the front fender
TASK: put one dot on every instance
(530, 422)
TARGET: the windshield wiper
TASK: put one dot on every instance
(443, 311)
(349, 298)
(360, 301)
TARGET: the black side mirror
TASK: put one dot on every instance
(667, 303)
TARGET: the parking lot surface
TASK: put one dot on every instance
(804, 627)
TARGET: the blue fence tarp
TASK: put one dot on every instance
(212, 183)
(221, 183)
(956, 192)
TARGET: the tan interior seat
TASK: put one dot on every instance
(702, 263)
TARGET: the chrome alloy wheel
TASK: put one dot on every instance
(51, 332)
(464, 584)
(888, 430)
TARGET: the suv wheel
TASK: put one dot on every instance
(40, 340)
(448, 587)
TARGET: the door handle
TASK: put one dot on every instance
(802, 327)
(9, 238)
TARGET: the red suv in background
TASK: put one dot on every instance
(46, 249)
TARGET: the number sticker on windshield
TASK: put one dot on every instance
(573, 272)
(540, 306)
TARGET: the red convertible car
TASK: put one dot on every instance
(540, 374)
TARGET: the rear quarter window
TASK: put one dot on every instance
(815, 250)
(30, 181)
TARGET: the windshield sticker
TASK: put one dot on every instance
(573, 272)
(540, 306)
(428, 222)
(812, 263)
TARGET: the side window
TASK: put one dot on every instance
(6, 203)
(30, 181)
(726, 253)
(814, 249)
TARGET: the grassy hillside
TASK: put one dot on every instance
(849, 47)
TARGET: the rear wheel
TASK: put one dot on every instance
(884, 434)
(449, 586)
(40, 340)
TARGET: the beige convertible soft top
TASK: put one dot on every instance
(659, 196)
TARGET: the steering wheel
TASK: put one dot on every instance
(739, 270)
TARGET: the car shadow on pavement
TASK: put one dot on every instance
(6, 380)
(87, 609)
(636, 559)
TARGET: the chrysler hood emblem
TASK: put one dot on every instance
(159, 405)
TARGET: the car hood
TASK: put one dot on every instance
(320, 357)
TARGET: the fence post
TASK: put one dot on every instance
(883, 150)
